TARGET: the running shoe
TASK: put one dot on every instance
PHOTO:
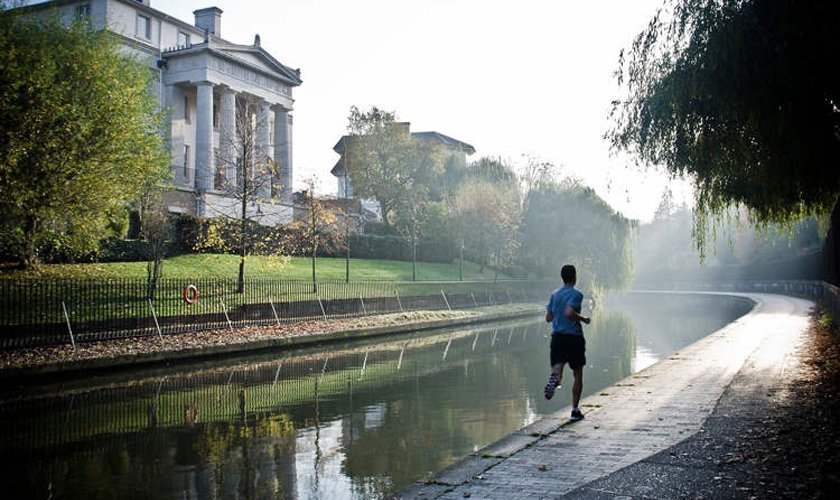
(576, 415)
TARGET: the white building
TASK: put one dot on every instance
(201, 78)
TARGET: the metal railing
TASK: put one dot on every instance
(36, 312)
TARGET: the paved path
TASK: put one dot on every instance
(636, 418)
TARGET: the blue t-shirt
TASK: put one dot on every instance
(566, 296)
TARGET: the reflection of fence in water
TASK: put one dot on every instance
(233, 393)
(32, 311)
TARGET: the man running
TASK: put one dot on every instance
(567, 342)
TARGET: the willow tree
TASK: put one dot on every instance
(79, 134)
(568, 223)
(741, 97)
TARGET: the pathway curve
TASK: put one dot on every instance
(634, 419)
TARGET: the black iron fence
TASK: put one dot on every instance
(56, 311)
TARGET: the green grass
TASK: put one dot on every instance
(227, 266)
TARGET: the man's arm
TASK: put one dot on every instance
(576, 316)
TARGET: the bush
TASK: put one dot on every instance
(115, 250)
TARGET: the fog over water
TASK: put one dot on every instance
(357, 420)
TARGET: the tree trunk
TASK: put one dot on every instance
(29, 258)
(240, 283)
(413, 258)
(314, 280)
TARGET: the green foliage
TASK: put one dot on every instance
(486, 212)
(740, 96)
(568, 223)
(385, 163)
(79, 135)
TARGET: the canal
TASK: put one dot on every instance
(355, 420)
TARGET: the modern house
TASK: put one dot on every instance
(454, 151)
(204, 81)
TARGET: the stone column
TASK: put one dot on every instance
(204, 164)
(283, 151)
(227, 135)
(264, 151)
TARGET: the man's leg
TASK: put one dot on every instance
(554, 379)
(577, 386)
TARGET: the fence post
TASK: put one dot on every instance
(157, 325)
(398, 298)
(444, 299)
(322, 307)
(277, 374)
(276, 317)
(67, 317)
(474, 302)
(364, 309)
(224, 308)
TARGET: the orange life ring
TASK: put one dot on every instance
(190, 294)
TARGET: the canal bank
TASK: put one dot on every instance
(640, 436)
(149, 351)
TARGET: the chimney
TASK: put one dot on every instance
(209, 19)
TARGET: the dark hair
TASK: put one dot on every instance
(568, 273)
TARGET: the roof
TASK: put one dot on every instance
(253, 56)
(444, 140)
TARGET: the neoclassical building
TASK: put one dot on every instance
(205, 82)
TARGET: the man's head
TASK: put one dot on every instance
(569, 274)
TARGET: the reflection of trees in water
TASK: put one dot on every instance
(611, 343)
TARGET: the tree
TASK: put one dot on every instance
(411, 217)
(79, 134)
(385, 161)
(247, 175)
(740, 96)
(568, 222)
(487, 216)
(318, 229)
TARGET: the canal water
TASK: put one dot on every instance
(354, 420)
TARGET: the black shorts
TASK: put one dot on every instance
(568, 348)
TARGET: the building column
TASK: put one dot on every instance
(204, 164)
(283, 151)
(264, 151)
(227, 135)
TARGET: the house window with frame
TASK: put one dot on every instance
(187, 109)
(144, 27)
(183, 39)
(83, 12)
(186, 162)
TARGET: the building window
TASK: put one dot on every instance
(216, 113)
(144, 26)
(187, 109)
(83, 12)
(186, 163)
(183, 39)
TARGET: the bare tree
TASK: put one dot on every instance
(316, 230)
(247, 175)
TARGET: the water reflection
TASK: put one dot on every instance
(357, 420)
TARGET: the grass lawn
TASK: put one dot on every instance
(227, 266)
